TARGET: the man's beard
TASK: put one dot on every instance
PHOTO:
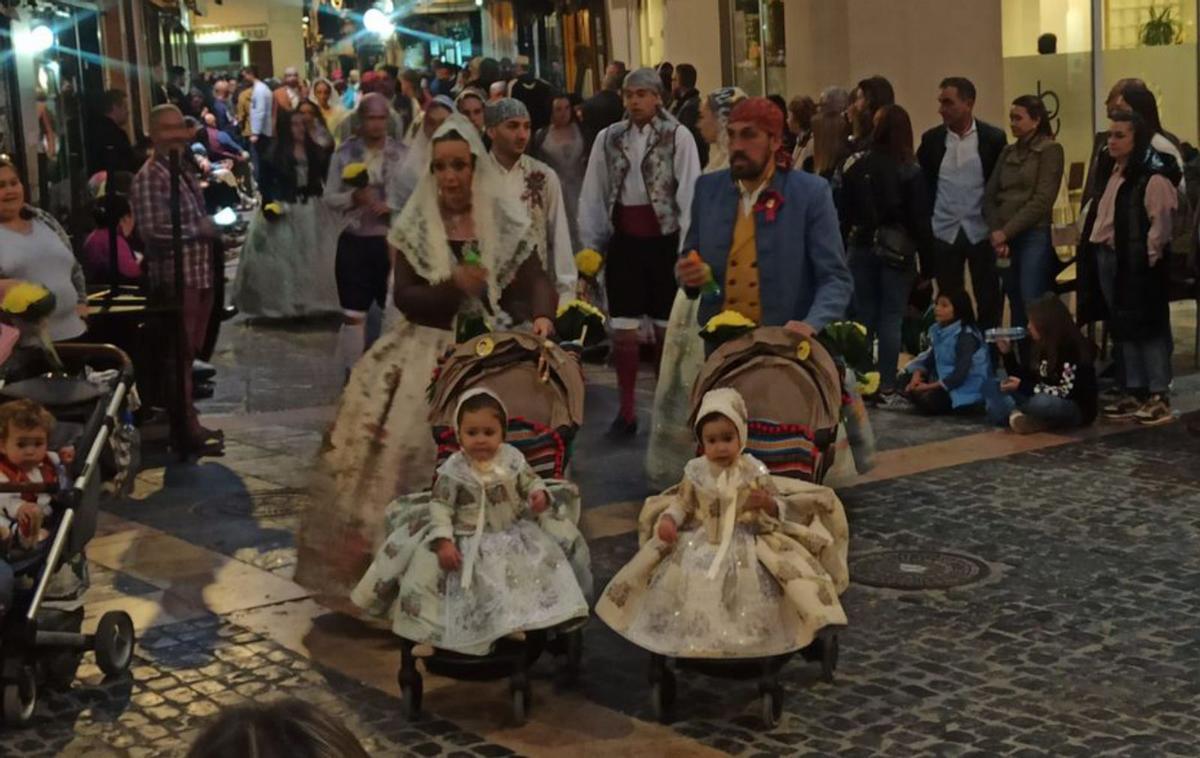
(747, 170)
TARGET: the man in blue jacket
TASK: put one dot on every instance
(770, 235)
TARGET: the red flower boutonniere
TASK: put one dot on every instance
(535, 188)
(769, 204)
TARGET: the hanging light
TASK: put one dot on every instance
(377, 22)
(36, 40)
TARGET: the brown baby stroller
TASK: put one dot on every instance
(793, 392)
(541, 386)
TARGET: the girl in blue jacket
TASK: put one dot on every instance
(949, 376)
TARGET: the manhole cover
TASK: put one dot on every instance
(916, 569)
(268, 505)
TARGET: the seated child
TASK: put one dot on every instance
(25, 430)
(480, 563)
(736, 568)
(97, 255)
(950, 374)
(1059, 391)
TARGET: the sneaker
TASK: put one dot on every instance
(892, 401)
(1024, 424)
(1122, 409)
(1155, 411)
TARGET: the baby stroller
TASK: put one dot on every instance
(542, 387)
(793, 396)
(793, 391)
(40, 637)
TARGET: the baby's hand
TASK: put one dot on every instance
(761, 500)
(67, 455)
(539, 501)
(448, 556)
(668, 531)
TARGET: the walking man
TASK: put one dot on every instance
(634, 208)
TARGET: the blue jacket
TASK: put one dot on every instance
(940, 361)
(802, 270)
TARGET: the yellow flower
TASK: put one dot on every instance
(868, 383)
(273, 208)
(837, 324)
(21, 296)
(803, 350)
(728, 319)
(583, 306)
(356, 174)
(588, 261)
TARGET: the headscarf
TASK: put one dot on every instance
(721, 102)
(335, 111)
(502, 226)
(643, 78)
(729, 403)
(762, 113)
(502, 110)
(483, 476)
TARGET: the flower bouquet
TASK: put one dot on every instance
(725, 326)
(580, 322)
(589, 262)
(847, 340)
(25, 308)
(273, 211)
(355, 175)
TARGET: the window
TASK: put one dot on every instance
(758, 45)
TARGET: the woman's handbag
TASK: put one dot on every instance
(895, 246)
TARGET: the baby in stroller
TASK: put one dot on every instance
(477, 567)
(25, 428)
(735, 563)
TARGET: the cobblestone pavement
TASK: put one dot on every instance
(184, 673)
(1081, 639)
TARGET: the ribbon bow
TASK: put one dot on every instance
(483, 478)
(728, 483)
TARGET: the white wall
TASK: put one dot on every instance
(281, 17)
(692, 34)
(624, 27)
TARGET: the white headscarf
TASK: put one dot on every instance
(483, 476)
(729, 403)
(502, 226)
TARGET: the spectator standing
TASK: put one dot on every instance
(870, 95)
(561, 146)
(885, 212)
(958, 158)
(152, 213)
(685, 105)
(830, 144)
(261, 118)
(1138, 98)
(801, 111)
(443, 81)
(606, 107)
(635, 207)
(111, 150)
(1128, 232)
(289, 94)
(1018, 205)
(537, 94)
(351, 95)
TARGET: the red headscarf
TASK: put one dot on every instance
(761, 112)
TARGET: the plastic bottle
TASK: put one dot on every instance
(1005, 333)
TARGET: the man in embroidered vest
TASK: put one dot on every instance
(769, 235)
(634, 208)
(508, 126)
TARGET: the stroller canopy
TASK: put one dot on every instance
(793, 393)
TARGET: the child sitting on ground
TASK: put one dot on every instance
(483, 562)
(1060, 390)
(736, 567)
(25, 429)
(950, 374)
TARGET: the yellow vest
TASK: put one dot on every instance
(741, 271)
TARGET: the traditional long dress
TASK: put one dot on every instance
(286, 267)
(515, 576)
(381, 445)
(735, 584)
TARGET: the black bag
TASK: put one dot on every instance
(895, 246)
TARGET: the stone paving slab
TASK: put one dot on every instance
(184, 673)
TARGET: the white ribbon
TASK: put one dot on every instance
(728, 483)
(473, 547)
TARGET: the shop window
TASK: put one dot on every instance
(758, 45)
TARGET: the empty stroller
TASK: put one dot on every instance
(540, 389)
(40, 637)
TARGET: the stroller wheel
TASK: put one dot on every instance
(411, 693)
(114, 642)
(829, 657)
(20, 698)
(662, 696)
(520, 705)
(772, 706)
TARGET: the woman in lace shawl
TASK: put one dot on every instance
(671, 442)
(462, 252)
